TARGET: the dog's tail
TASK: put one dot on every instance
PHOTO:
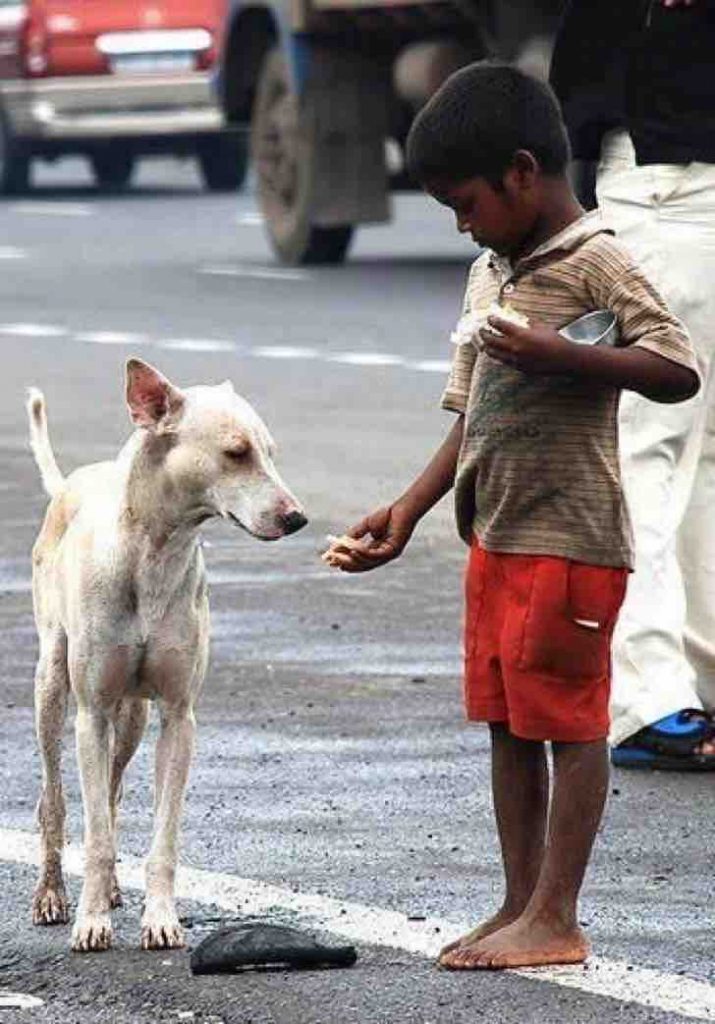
(52, 479)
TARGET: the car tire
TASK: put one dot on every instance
(283, 140)
(15, 163)
(112, 169)
(223, 162)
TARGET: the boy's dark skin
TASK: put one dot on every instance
(545, 851)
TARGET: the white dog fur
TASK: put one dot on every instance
(122, 613)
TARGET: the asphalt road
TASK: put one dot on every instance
(333, 761)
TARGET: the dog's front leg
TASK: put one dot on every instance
(175, 747)
(93, 927)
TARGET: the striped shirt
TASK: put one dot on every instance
(538, 471)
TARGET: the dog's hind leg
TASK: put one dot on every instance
(129, 726)
(49, 903)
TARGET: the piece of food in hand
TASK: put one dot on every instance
(340, 546)
(507, 312)
(345, 542)
(468, 327)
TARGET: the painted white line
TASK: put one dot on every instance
(7, 252)
(53, 209)
(432, 365)
(367, 359)
(112, 338)
(23, 330)
(284, 352)
(258, 273)
(251, 220)
(628, 983)
(19, 1000)
(197, 345)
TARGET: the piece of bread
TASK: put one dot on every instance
(468, 327)
(507, 312)
(467, 330)
(340, 545)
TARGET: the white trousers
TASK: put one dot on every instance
(664, 646)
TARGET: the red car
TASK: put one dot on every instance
(112, 79)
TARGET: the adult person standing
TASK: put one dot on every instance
(637, 85)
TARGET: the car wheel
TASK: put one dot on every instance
(283, 140)
(112, 169)
(223, 160)
(14, 162)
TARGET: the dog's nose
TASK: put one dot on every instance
(293, 521)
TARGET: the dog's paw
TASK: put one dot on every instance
(50, 905)
(161, 930)
(92, 933)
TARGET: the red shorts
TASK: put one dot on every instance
(538, 644)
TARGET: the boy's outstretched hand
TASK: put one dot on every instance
(375, 540)
(533, 349)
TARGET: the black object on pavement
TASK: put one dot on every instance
(256, 945)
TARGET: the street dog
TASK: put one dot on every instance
(121, 607)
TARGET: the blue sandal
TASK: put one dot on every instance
(670, 744)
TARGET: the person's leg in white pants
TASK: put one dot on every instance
(696, 554)
(664, 647)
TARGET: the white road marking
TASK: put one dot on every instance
(252, 220)
(431, 366)
(53, 209)
(112, 337)
(8, 252)
(198, 345)
(284, 352)
(628, 983)
(26, 330)
(19, 1000)
(259, 273)
(366, 359)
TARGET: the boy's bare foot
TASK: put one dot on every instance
(524, 943)
(492, 924)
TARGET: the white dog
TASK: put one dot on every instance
(122, 614)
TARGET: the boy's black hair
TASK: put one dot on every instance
(479, 118)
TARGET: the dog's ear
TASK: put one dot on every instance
(152, 399)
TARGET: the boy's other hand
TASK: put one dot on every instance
(533, 349)
(384, 534)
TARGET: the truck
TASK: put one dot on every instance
(326, 90)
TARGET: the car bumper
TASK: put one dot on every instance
(94, 108)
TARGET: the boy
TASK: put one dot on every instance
(533, 458)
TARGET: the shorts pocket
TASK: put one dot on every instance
(570, 616)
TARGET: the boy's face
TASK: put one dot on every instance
(497, 218)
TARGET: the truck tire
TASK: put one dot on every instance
(282, 148)
(112, 168)
(223, 161)
(14, 162)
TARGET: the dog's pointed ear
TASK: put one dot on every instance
(152, 399)
(227, 385)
